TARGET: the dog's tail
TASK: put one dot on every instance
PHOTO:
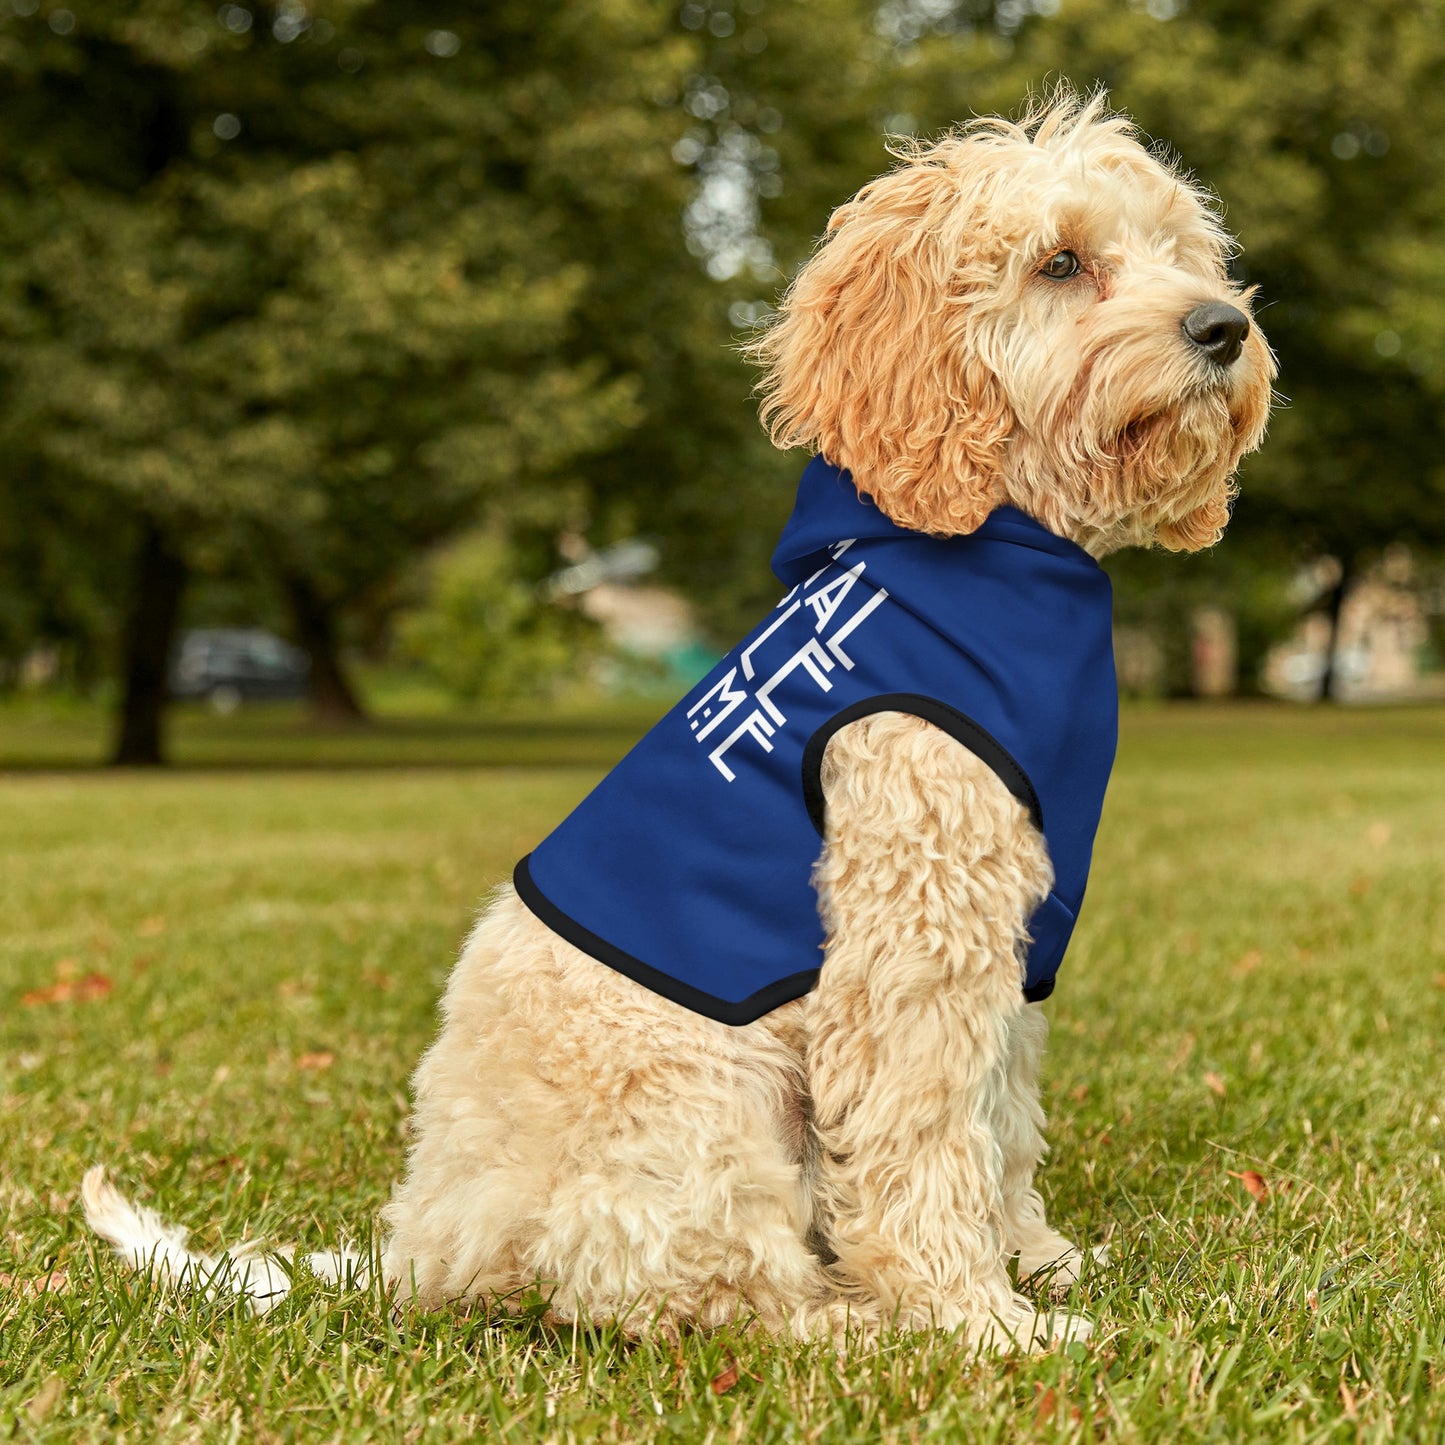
(147, 1243)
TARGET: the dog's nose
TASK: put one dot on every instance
(1218, 331)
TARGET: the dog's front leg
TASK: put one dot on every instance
(929, 873)
(1042, 1251)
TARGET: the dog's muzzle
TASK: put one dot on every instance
(1218, 330)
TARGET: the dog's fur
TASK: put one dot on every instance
(864, 1155)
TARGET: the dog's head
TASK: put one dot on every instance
(1036, 313)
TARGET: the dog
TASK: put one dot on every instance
(652, 1096)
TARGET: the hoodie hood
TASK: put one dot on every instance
(830, 508)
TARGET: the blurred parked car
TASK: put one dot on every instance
(230, 665)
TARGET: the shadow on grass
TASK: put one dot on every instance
(279, 737)
(594, 733)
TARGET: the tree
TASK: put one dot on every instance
(303, 289)
(777, 118)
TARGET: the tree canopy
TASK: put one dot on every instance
(300, 290)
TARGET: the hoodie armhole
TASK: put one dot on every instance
(977, 740)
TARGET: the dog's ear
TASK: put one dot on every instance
(874, 359)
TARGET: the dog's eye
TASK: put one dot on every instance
(1060, 266)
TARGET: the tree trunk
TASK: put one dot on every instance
(1329, 679)
(150, 631)
(333, 699)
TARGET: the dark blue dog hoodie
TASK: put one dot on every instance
(689, 866)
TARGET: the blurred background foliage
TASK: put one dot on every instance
(326, 315)
(484, 632)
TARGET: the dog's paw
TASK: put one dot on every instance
(1023, 1326)
(1059, 1327)
(1058, 1269)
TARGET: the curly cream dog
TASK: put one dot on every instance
(1034, 315)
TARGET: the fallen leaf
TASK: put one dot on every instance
(377, 978)
(724, 1382)
(1359, 886)
(1440, 980)
(1181, 1054)
(83, 990)
(151, 927)
(56, 1282)
(1080, 1094)
(1214, 1083)
(320, 1059)
(1254, 1182)
(56, 993)
(1046, 1408)
(1248, 963)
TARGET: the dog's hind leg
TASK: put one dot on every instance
(679, 1195)
(929, 873)
(577, 1135)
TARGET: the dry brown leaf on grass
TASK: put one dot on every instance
(1248, 963)
(1181, 1054)
(377, 978)
(1214, 1083)
(56, 1282)
(66, 990)
(1254, 1183)
(1046, 1407)
(319, 1059)
(723, 1382)
(1440, 980)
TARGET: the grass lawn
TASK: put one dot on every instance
(216, 980)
